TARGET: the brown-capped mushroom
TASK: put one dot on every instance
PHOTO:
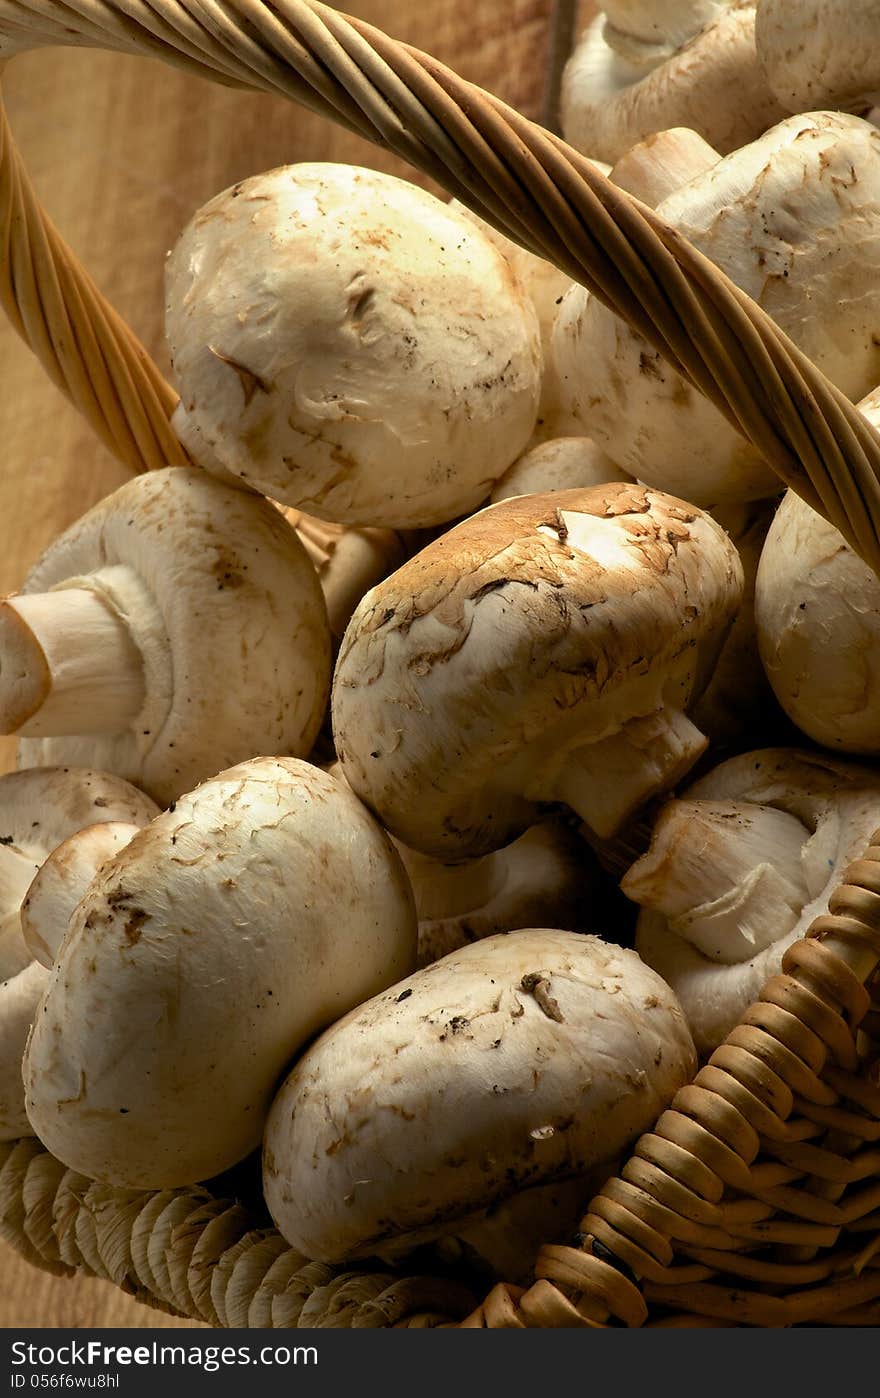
(544, 650)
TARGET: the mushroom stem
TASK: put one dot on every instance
(68, 665)
(662, 163)
(61, 882)
(660, 24)
(607, 781)
(348, 561)
(451, 890)
(728, 876)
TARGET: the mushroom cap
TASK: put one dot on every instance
(517, 1061)
(61, 881)
(350, 345)
(227, 612)
(737, 703)
(820, 53)
(563, 463)
(202, 957)
(817, 611)
(540, 624)
(545, 285)
(794, 220)
(19, 999)
(617, 90)
(838, 804)
(39, 809)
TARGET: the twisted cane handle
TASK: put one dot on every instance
(522, 179)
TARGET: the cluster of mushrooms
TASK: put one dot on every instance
(329, 742)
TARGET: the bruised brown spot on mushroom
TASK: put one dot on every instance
(251, 383)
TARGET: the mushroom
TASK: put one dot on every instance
(547, 875)
(348, 561)
(546, 285)
(794, 220)
(544, 650)
(737, 870)
(516, 1062)
(640, 68)
(38, 810)
(738, 702)
(350, 345)
(817, 613)
(61, 881)
(563, 463)
(201, 958)
(662, 163)
(820, 53)
(175, 629)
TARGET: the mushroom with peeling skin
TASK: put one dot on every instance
(38, 810)
(173, 630)
(817, 614)
(544, 650)
(794, 220)
(350, 345)
(518, 1061)
(738, 869)
(689, 63)
(200, 959)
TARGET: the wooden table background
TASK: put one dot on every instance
(122, 151)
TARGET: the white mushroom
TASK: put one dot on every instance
(817, 612)
(641, 68)
(662, 163)
(199, 961)
(738, 703)
(175, 629)
(544, 650)
(38, 810)
(564, 463)
(348, 561)
(350, 345)
(739, 868)
(793, 219)
(518, 1061)
(61, 881)
(546, 876)
(820, 53)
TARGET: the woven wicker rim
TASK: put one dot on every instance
(733, 1165)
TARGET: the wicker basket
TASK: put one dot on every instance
(756, 1198)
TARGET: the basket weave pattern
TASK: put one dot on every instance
(755, 1199)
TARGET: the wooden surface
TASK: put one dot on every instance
(122, 152)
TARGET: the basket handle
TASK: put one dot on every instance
(524, 180)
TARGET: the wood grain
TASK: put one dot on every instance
(122, 151)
